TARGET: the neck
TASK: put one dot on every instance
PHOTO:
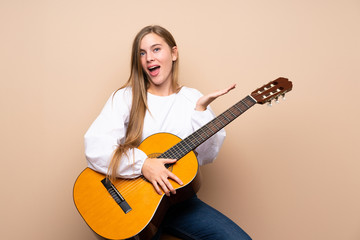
(160, 90)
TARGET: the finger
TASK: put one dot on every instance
(168, 160)
(226, 90)
(231, 87)
(157, 189)
(164, 188)
(169, 186)
(175, 178)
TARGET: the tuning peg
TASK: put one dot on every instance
(277, 99)
(283, 96)
(269, 104)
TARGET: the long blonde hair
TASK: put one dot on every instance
(139, 84)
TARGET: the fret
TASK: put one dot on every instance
(171, 153)
(177, 148)
(164, 155)
(221, 120)
(196, 138)
(227, 119)
(209, 132)
(202, 139)
(204, 132)
(190, 141)
(229, 115)
(232, 113)
(175, 152)
(213, 128)
(243, 107)
(187, 147)
(238, 108)
(244, 103)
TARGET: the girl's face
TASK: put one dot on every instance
(157, 58)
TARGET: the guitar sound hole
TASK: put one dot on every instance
(154, 155)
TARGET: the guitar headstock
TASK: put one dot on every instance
(272, 90)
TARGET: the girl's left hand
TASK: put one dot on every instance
(205, 100)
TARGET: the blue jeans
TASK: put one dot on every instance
(194, 220)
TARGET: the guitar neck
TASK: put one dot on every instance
(201, 135)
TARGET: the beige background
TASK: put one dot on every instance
(291, 171)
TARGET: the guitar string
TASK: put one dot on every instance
(131, 187)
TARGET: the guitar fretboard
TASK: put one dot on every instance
(202, 134)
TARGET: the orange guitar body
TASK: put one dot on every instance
(105, 217)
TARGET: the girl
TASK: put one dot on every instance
(150, 102)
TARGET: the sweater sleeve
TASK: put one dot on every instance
(207, 151)
(107, 132)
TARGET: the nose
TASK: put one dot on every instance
(149, 57)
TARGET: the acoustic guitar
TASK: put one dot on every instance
(131, 208)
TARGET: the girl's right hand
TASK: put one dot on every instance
(154, 171)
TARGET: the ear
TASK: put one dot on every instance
(174, 53)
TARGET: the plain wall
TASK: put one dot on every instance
(290, 171)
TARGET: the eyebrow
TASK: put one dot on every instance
(152, 46)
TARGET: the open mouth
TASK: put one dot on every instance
(153, 68)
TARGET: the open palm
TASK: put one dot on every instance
(205, 100)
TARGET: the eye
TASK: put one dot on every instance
(156, 49)
(142, 54)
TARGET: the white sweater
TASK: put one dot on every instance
(174, 114)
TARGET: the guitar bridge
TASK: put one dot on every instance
(115, 194)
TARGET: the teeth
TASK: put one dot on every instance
(151, 68)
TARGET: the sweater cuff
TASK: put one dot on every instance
(135, 162)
